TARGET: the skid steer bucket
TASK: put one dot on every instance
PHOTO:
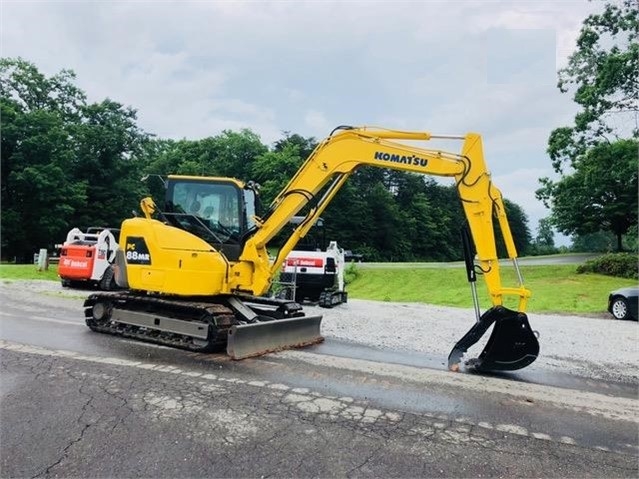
(255, 339)
(512, 344)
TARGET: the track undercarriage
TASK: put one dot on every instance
(245, 326)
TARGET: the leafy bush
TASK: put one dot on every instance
(541, 250)
(621, 265)
(351, 273)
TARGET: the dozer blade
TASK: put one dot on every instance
(512, 344)
(255, 339)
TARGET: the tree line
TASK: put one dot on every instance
(67, 162)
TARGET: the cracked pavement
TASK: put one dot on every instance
(79, 404)
(72, 415)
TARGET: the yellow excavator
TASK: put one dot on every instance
(195, 274)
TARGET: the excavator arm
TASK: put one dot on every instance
(342, 153)
(512, 344)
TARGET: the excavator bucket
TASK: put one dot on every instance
(512, 344)
(261, 337)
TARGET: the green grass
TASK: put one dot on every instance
(28, 271)
(554, 288)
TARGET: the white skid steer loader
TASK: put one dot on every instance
(86, 259)
(316, 276)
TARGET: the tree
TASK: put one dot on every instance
(236, 152)
(68, 163)
(599, 242)
(227, 154)
(39, 191)
(106, 141)
(603, 72)
(305, 146)
(65, 163)
(274, 169)
(545, 235)
(596, 156)
(425, 220)
(601, 195)
(544, 241)
(29, 90)
(518, 222)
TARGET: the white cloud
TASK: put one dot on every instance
(192, 69)
(316, 121)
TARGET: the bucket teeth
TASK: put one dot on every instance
(512, 344)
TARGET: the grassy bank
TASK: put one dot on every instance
(28, 271)
(555, 288)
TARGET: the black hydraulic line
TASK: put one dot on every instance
(341, 127)
(469, 254)
(469, 260)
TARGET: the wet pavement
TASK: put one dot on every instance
(80, 404)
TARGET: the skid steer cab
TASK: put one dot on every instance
(87, 257)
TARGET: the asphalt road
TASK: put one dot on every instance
(81, 404)
(573, 258)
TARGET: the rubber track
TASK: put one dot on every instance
(329, 299)
(219, 317)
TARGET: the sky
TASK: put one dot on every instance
(194, 69)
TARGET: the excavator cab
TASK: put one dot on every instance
(218, 210)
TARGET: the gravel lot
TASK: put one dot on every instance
(596, 348)
(589, 347)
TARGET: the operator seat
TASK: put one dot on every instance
(195, 207)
